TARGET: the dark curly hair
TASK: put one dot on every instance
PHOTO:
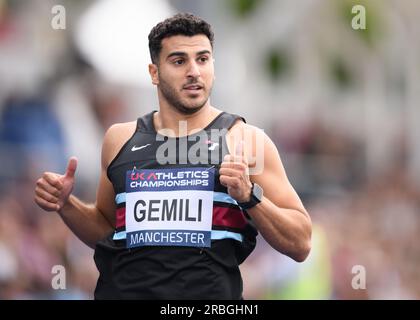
(185, 24)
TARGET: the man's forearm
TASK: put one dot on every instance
(286, 230)
(85, 220)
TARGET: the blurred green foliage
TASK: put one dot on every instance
(340, 73)
(371, 34)
(244, 8)
(277, 63)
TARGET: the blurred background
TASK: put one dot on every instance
(342, 106)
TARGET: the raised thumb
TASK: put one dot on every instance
(71, 167)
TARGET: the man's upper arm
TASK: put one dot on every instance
(273, 178)
(114, 139)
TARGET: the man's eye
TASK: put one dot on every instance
(178, 62)
(203, 59)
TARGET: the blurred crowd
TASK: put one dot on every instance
(37, 134)
(366, 227)
(362, 221)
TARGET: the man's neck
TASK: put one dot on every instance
(170, 122)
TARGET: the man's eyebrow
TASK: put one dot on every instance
(199, 53)
(183, 54)
(176, 54)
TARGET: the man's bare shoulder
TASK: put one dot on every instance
(120, 131)
(244, 131)
(115, 137)
(258, 147)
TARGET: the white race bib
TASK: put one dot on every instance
(169, 207)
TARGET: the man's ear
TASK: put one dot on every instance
(154, 73)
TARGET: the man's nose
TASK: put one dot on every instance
(193, 70)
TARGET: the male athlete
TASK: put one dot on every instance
(183, 190)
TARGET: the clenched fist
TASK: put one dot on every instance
(52, 189)
(234, 174)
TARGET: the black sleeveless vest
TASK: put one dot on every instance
(176, 272)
